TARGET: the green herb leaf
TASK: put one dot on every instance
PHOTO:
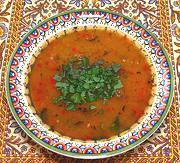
(118, 85)
(96, 79)
(43, 114)
(98, 138)
(83, 94)
(92, 107)
(115, 67)
(57, 99)
(115, 124)
(71, 107)
(86, 85)
(71, 89)
(90, 97)
(76, 98)
(57, 78)
(85, 62)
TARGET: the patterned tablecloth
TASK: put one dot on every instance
(160, 16)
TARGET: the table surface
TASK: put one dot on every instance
(162, 17)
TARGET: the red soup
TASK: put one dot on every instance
(119, 112)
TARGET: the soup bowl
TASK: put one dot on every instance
(25, 54)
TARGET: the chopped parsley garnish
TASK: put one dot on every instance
(81, 82)
(115, 125)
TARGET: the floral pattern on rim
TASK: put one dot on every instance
(101, 3)
(79, 3)
(137, 8)
(125, 25)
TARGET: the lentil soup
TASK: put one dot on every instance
(108, 118)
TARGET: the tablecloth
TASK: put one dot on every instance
(162, 17)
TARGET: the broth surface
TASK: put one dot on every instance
(135, 75)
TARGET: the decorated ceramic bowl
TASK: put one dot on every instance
(32, 43)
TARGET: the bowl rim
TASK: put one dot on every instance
(82, 155)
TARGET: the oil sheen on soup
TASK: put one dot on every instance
(108, 118)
